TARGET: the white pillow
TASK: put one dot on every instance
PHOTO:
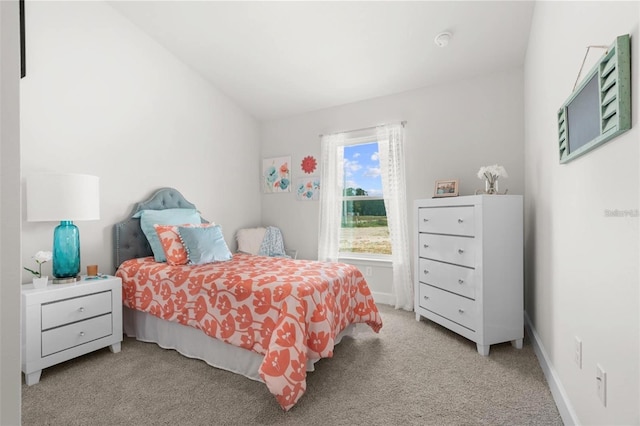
(250, 239)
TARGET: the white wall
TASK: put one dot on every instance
(102, 98)
(582, 266)
(10, 378)
(452, 130)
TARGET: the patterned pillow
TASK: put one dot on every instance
(172, 246)
(204, 245)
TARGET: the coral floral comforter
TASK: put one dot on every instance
(289, 310)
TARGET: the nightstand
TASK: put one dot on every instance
(63, 321)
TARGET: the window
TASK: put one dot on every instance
(363, 225)
(349, 201)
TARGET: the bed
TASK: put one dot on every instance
(266, 318)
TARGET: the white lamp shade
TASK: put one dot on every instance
(62, 196)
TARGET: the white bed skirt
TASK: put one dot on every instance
(194, 343)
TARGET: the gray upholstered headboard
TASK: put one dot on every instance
(129, 241)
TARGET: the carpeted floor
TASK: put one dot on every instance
(411, 373)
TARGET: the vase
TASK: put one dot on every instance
(491, 186)
(66, 250)
(40, 282)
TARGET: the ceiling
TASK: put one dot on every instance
(278, 59)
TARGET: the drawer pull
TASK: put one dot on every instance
(82, 334)
(460, 251)
(425, 220)
(460, 220)
(460, 281)
(81, 309)
(426, 297)
(461, 311)
(425, 272)
(426, 246)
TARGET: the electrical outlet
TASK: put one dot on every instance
(577, 356)
(367, 271)
(601, 383)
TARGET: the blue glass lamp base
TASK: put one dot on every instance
(66, 250)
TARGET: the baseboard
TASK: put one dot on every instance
(383, 298)
(560, 397)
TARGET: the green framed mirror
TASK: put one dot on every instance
(599, 109)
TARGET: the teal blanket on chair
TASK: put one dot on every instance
(272, 244)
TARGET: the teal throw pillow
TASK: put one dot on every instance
(204, 245)
(148, 218)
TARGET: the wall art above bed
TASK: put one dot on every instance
(308, 188)
(276, 174)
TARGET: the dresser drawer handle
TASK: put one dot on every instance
(425, 272)
(425, 220)
(461, 311)
(81, 309)
(460, 281)
(82, 334)
(426, 297)
(460, 251)
(460, 220)
(426, 246)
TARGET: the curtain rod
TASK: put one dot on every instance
(364, 128)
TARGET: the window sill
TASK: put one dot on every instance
(379, 261)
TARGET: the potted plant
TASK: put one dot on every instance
(490, 174)
(40, 257)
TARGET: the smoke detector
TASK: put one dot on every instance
(442, 39)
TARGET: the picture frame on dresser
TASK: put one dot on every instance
(446, 188)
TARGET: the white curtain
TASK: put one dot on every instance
(331, 181)
(391, 152)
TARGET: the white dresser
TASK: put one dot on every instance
(63, 321)
(469, 266)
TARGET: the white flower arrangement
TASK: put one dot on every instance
(492, 173)
(40, 258)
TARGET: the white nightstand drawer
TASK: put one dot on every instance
(456, 279)
(451, 306)
(456, 250)
(68, 336)
(71, 310)
(447, 220)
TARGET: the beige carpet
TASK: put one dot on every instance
(411, 373)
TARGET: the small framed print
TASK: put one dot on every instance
(276, 176)
(446, 188)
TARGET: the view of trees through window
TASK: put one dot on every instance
(364, 218)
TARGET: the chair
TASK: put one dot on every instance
(263, 241)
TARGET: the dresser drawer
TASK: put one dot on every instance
(455, 308)
(446, 248)
(77, 309)
(447, 220)
(68, 336)
(457, 279)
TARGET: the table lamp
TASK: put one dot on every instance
(63, 197)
